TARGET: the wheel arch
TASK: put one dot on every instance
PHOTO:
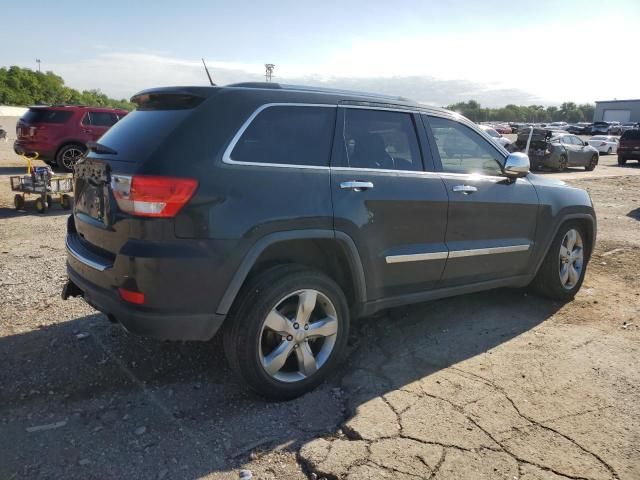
(586, 220)
(331, 252)
(68, 142)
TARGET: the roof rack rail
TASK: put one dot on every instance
(306, 88)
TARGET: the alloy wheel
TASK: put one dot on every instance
(71, 156)
(298, 335)
(571, 259)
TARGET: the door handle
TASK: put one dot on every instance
(465, 189)
(356, 186)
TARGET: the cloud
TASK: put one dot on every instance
(121, 74)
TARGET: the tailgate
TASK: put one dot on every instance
(96, 222)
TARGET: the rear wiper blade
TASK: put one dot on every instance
(99, 148)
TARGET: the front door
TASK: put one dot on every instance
(491, 220)
(394, 211)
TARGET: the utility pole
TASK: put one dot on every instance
(268, 71)
(38, 62)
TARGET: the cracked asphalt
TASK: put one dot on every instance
(494, 385)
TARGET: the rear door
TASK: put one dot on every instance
(491, 219)
(394, 211)
(96, 124)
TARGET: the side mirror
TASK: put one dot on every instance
(516, 165)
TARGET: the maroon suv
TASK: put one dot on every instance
(59, 133)
(629, 146)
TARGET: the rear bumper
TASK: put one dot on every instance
(161, 326)
(630, 153)
(45, 151)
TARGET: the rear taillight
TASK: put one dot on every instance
(131, 296)
(147, 196)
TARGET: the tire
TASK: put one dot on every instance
(621, 160)
(65, 202)
(549, 280)
(277, 294)
(68, 155)
(593, 163)
(18, 202)
(41, 205)
(562, 164)
(609, 151)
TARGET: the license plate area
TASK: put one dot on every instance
(92, 190)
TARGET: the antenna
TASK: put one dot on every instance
(268, 73)
(208, 74)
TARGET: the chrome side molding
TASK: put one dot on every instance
(419, 257)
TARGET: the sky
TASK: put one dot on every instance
(436, 52)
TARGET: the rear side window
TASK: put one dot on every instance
(99, 119)
(380, 139)
(42, 115)
(631, 135)
(291, 135)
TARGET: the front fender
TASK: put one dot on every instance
(560, 203)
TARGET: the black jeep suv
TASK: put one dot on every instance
(276, 213)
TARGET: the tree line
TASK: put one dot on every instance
(567, 112)
(24, 87)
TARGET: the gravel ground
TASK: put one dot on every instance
(500, 384)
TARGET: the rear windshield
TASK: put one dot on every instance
(141, 132)
(43, 115)
(631, 135)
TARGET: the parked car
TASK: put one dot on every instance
(60, 133)
(629, 126)
(495, 135)
(615, 128)
(557, 150)
(629, 146)
(558, 126)
(503, 128)
(579, 128)
(601, 128)
(606, 144)
(276, 214)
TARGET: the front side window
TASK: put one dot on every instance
(380, 139)
(292, 135)
(463, 150)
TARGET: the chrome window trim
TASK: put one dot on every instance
(226, 156)
(373, 107)
(84, 260)
(419, 257)
(489, 251)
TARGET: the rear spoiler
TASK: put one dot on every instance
(176, 98)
